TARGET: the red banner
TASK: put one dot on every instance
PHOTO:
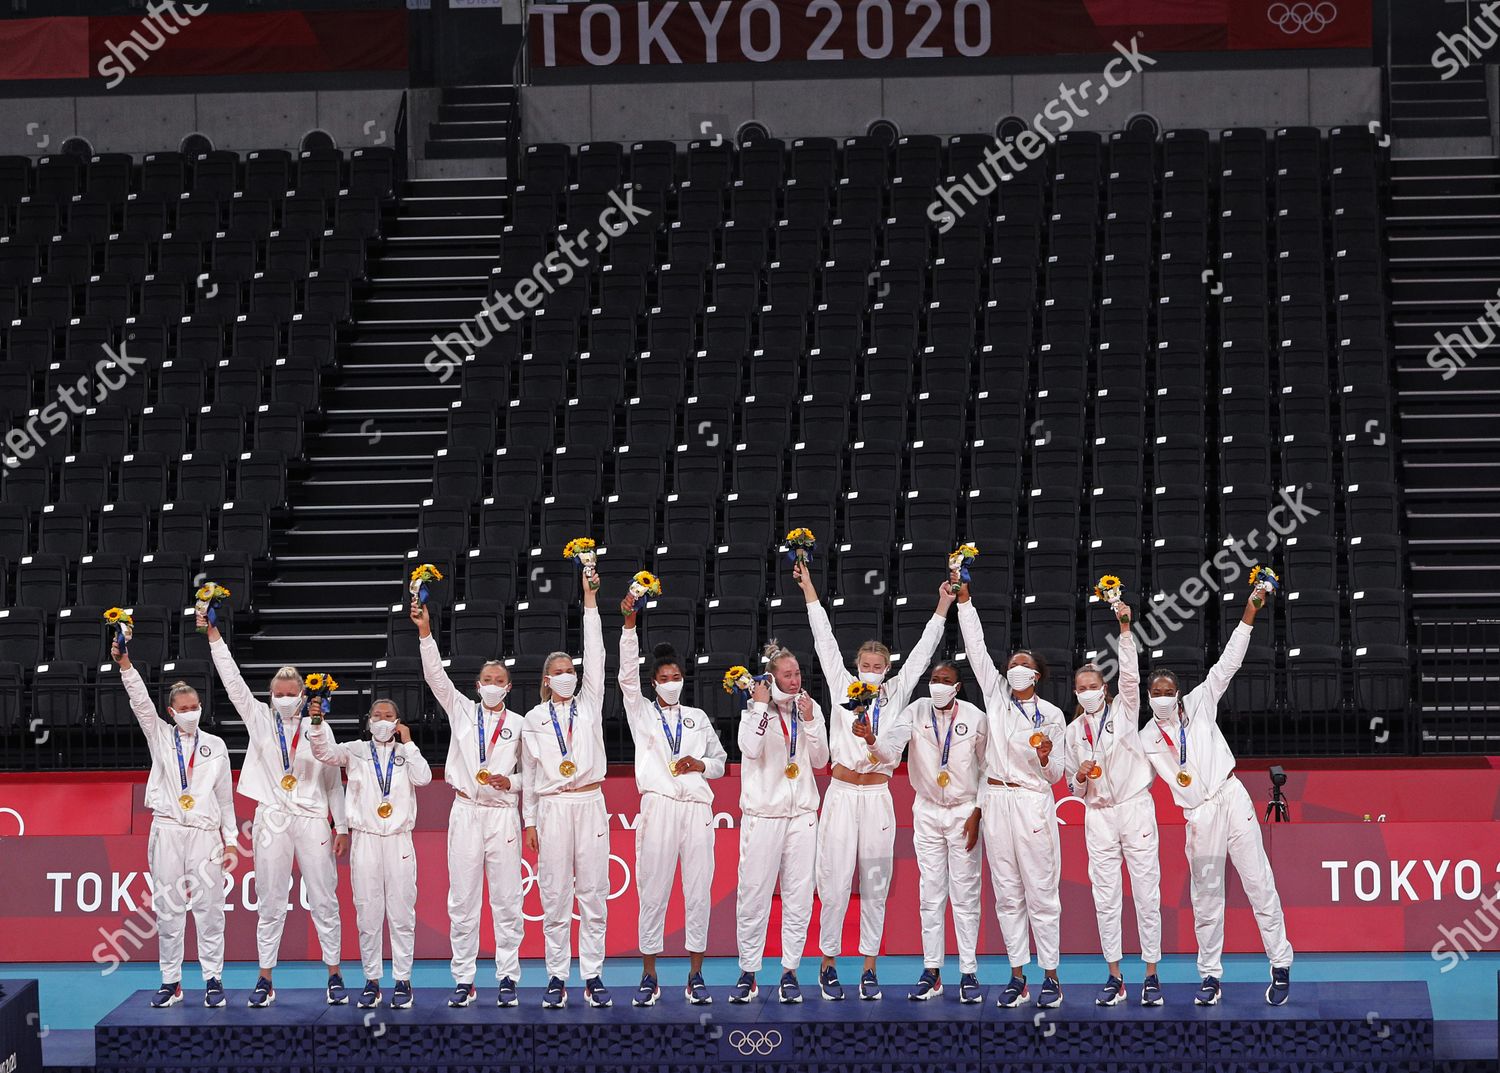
(1426, 884)
(678, 32)
(44, 48)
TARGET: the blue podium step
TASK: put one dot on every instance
(1325, 1028)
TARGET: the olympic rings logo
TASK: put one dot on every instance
(529, 880)
(1292, 18)
(755, 1041)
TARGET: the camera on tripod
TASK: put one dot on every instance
(1276, 807)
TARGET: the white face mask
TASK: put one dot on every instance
(492, 694)
(942, 693)
(1091, 700)
(287, 706)
(1020, 677)
(187, 720)
(1164, 706)
(778, 694)
(669, 692)
(872, 678)
(382, 730)
(562, 685)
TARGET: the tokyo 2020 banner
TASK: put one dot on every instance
(1420, 875)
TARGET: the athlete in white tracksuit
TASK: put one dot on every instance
(1109, 772)
(677, 750)
(783, 739)
(1186, 747)
(945, 760)
(1018, 816)
(484, 825)
(384, 773)
(562, 808)
(294, 796)
(192, 839)
(857, 827)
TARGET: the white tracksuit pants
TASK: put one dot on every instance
(949, 874)
(772, 848)
(279, 837)
(1127, 832)
(669, 830)
(856, 829)
(484, 843)
(1022, 844)
(1225, 824)
(187, 866)
(383, 873)
(573, 829)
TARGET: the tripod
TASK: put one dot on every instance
(1276, 807)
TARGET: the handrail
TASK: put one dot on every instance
(401, 145)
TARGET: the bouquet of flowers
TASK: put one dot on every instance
(584, 550)
(799, 546)
(738, 678)
(1264, 579)
(1108, 590)
(321, 686)
(207, 601)
(859, 695)
(643, 584)
(122, 623)
(958, 562)
(421, 578)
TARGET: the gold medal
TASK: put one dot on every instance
(186, 801)
(1036, 739)
(1184, 779)
(791, 771)
(288, 781)
(944, 778)
(566, 769)
(1095, 771)
(873, 758)
(385, 810)
(673, 768)
(482, 776)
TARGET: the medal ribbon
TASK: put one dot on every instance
(390, 769)
(287, 756)
(1103, 722)
(791, 751)
(1036, 712)
(945, 743)
(675, 744)
(185, 771)
(479, 729)
(563, 746)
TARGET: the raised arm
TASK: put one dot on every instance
(630, 666)
(1128, 684)
(1222, 673)
(140, 696)
(245, 704)
(914, 663)
(443, 690)
(591, 684)
(991, 681)
(830, 659)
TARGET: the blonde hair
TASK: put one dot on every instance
(287, 674)
(773, 653)
(177, 690)
(551, 658)
(875, 647)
